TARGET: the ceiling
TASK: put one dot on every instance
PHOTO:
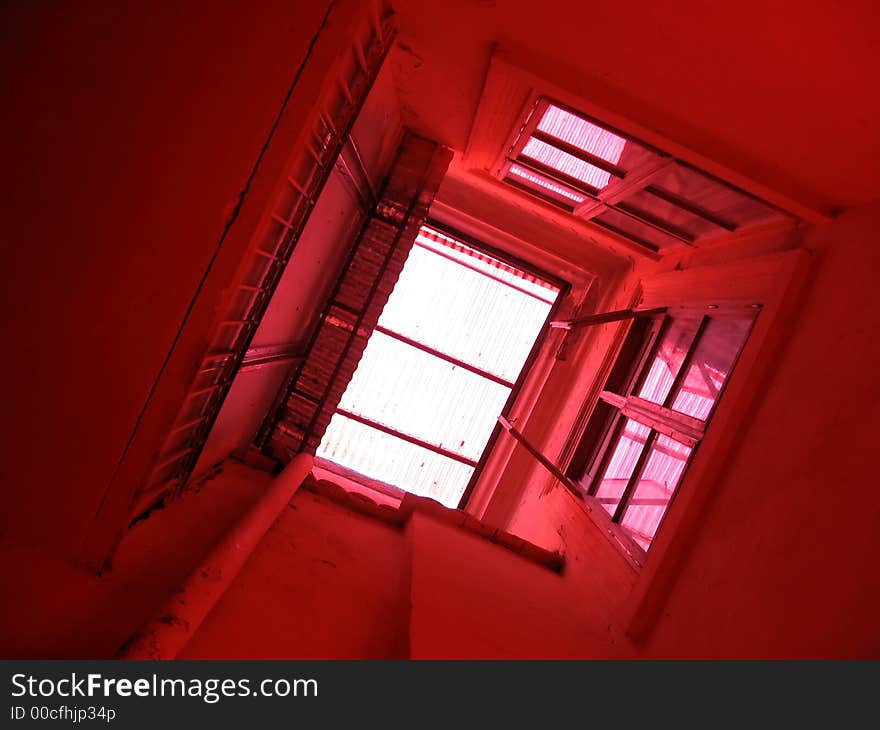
(781, 93)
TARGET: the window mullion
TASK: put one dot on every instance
(635, 476)
(606, 450)
(686, 363)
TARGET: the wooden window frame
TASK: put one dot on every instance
(776, 281)
(617, 404)
(615, 197)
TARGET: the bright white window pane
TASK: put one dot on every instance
(394, 461)
(420, 395)
(464, 314)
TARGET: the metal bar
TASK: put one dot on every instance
(189, 424)
(690, 207)
(579, 153)
(617, 426)
(615, 316)
(406, 437)
(560, 178)
(257, 357)
(635, 477)
(542, 194)
(346, 92)
(623, 234)
(543, 460)
(443, 356)
(503, 256)
(336, 304)
(654, 222)
(686, 363)
(179, 454)
(307, 396)
(299, 188)
(278, 219)
(222, 355)
(201, 391)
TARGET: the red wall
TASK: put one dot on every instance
(324, 583)
(785, 562)
(782, 564)
(129, 130)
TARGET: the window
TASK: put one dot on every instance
(653, 413)
(438, 369)
(622, 185)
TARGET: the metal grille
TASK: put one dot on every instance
(309, 400)
(333, 118)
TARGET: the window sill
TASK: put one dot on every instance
(631, 551)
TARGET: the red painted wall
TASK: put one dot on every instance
(128, 131)
(785, 562)
(325, 583)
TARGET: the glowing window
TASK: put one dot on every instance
(438, 370)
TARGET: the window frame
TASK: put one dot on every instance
(778, 282)
(478, 247)
(654, 232)
(617, 404)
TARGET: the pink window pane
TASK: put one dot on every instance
(621, 465)
(580, 133)
(566, 163)
(656, 486)
(710, 366)
(668, 359)
(543, 182)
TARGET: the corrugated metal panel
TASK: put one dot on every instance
(545, 183)
(622, 463)
(566, 163)
(423, 396)
(468, 306)
(464, 314)
(652, 495)
(306, 405)
(582, 134)
(394, 461)
(517, 278)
